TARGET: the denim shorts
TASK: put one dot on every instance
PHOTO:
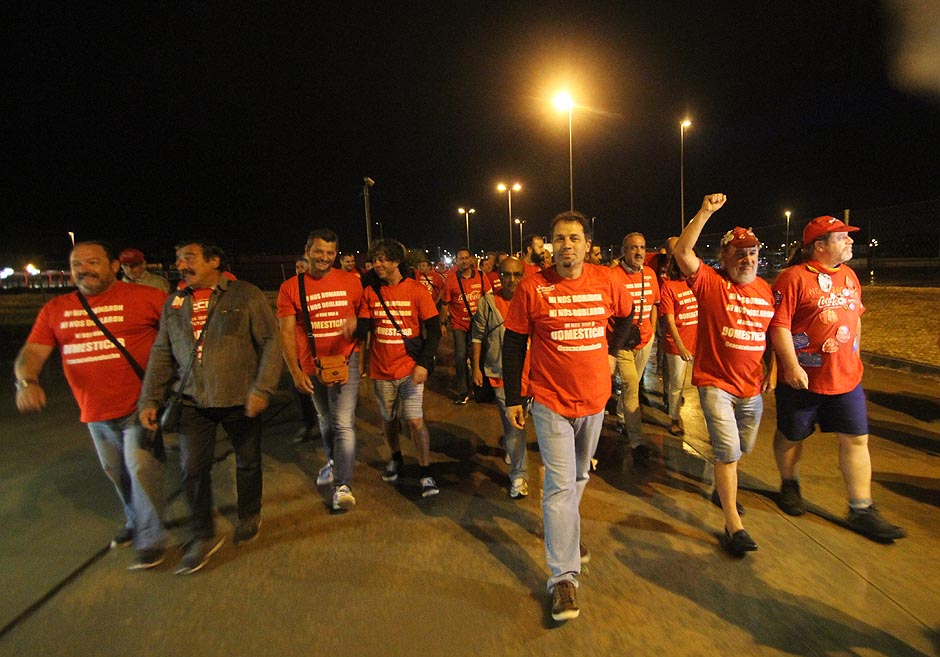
(387, 394)
(798, 411)
(732, 422)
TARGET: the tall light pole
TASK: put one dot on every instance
(564, 102)
(686, 123)
(72, 237)
(367, 182)
(467, 214)
(521, 223)
(509, 190)
(786, 248)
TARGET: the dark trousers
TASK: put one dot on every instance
(461, 340)
(197, 454)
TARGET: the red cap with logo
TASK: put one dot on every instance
(740, 238)
(131, 257)
(821, 226)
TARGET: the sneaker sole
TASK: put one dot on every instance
(430, 493)
(566, 615)
(344, 505)
(148, 565)
(518, 496)
(325, 482)
(189, 571)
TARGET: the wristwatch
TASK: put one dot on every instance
(23, 384)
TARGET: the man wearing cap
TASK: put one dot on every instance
(135, 270)
(815, 334)
(735, 308)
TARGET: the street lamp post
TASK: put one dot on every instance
(509, 190)
(564, 102)
(786, 247)
(467, 214)
(521, 223)
(367, 183)
(682, 126)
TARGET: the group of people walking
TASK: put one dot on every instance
(546, 341)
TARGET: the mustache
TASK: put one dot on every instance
(186, 272)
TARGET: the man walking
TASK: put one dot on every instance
(105, 384)
(462, 291)
(734, 310)
(815, 333)
(564, 312)
(326, 311)
(218, 347)
(398, 311)
(134, 266)
(487, 333)
(641, 281)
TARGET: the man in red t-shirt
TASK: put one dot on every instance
(397, 310)
(463, 288)
(490, 268)
(430, 279)
(564, 311)
(105, 384)
(815, 333)
(642, 283)
(734, 310)
(678, 312)
(328, 310)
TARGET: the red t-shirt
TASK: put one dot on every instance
(495, 283)
(566, 321)
(410, 305)
(680, 302)
(474, 288)
(645, 293)
(201, 298)
(331, 300)
(530, 269)
(732, 332)
(821, 307)
(102, 381)
(433, 282)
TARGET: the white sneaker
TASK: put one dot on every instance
(325, 475)
(429, 487)
(520, 488)
(343, 499)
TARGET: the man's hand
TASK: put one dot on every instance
(302, 381)
(477, 377)
(31, 399)
(255, 405)
(685, 354)
(516, 415)
(148, 419)
(796, 378)
(713, 202)
(419, 375)
(349, 327)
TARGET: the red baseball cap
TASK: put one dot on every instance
(822, 225)
(131, 257)
(740, 238)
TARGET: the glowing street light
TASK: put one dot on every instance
(686, 123)
(72, 237)
(564, 103)
(521, 223)
(786, 248)
(467, 214)
(509, 190)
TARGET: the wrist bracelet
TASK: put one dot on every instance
(22, 384)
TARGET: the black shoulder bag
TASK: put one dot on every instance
(154, 443)
(331, 370)
(633, 338)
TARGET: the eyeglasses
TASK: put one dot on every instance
(513, 274)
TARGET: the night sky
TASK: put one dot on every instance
(252, 124)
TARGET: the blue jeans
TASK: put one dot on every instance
(137, 476)
(514, 440)
(732, 422)
(336, 406)
(567, 446)
(197, 455)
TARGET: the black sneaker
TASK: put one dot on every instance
(790, 500)
(390, 474)
(461, 400)
(198, 553)
(147, 559)
(565, 601)
(247, 530)
(716, 500)
(123, 538)
(868, 522)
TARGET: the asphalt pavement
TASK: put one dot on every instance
(464, 573)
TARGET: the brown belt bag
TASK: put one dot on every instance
(332, 370)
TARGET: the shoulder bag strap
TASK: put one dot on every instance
(138, 370)
(378, 291)
(464, 294)
(305, 313)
